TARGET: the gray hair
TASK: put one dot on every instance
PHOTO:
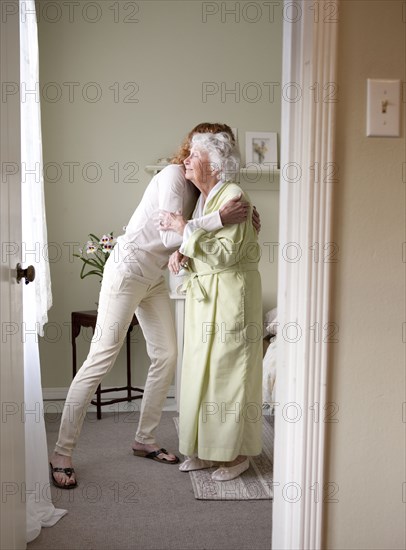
(223, 153)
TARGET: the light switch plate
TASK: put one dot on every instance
(383, 108)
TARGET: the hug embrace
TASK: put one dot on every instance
(208, 227)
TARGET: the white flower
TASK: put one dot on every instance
(106, 239)
(90, 247)
(95, 254)
(107, 242)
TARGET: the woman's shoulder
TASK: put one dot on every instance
(173, 169)
(231, 190)
(172, 174)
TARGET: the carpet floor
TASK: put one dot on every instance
(128, 502)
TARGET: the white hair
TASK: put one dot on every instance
(223, 154)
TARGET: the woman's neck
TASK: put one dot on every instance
(206, 187)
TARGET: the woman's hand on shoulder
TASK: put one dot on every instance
(234, 211)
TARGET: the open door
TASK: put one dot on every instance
(12, 459)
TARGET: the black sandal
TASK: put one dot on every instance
(66, 471)
(154, 455)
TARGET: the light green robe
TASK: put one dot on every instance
(221, 396)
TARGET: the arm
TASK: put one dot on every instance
(225, 247)
(220, 249)
(233, 211)
(171, 188)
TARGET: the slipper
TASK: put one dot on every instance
(192, 463)
(225, 473)
(154, 455)
(66, 471)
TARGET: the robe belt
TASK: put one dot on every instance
(197, 290)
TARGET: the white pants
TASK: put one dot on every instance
(123, 293)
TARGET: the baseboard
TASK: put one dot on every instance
(54, 399)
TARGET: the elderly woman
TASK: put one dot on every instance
(220, 406)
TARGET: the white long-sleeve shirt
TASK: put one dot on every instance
(143, 249)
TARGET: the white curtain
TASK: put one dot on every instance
(37, 295)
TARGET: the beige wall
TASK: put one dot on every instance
(173, 49)
(366, 448)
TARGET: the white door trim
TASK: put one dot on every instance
(306, 251)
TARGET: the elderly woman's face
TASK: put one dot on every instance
(198, 167)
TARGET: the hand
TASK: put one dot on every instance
(256, 220)
(234, 211)
(177, 261)
(171, 221)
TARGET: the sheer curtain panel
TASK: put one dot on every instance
(37, 295)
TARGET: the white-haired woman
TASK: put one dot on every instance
(220, 406)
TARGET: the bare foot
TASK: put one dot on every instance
(61, 461)
(149, 448)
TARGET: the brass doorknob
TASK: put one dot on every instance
(28, 274)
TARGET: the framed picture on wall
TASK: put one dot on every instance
(261, 149)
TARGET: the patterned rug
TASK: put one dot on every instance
(253, 484)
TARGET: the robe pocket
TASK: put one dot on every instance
(230, 304)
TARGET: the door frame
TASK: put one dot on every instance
(306, 251)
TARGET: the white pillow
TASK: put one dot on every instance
(271, 322)
(269, 375)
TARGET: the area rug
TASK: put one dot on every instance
(254, 484)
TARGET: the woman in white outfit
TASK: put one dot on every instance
(133, 282)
